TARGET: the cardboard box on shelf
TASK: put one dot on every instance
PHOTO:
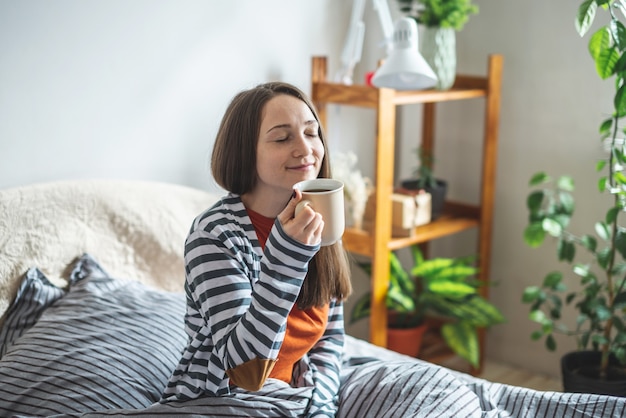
(407, 212)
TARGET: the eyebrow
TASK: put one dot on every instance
(286, 125)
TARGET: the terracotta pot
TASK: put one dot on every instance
(406, 341)
(580, 371)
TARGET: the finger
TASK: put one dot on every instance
(286, 214)
(305, 226)
(311, 232)
(318, 227)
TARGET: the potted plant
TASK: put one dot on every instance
(425, 180)
(441, 288)
(440, 19)
(599, 296)
(439, 13)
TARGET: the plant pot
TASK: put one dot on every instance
(437, 194)
(406, 341)
(580, 372)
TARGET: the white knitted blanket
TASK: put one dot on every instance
(135, 228)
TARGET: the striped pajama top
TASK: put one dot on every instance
(238, 301)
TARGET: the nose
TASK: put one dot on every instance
(301, 146)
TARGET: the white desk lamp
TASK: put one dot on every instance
(404, 69)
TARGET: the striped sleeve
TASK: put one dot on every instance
(322, 371)
(238, 301)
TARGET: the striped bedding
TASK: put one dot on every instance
(106, 347)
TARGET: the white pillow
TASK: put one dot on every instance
(136, 228)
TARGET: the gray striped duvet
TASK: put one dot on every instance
(106, 347)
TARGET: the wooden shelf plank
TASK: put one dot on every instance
(457, 217)
(445, 225)
(361, 95)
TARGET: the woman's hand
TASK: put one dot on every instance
(305, 227)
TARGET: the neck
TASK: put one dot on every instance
(269, 206)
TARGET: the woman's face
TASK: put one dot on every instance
(289, 148)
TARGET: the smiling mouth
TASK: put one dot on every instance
(302, 167)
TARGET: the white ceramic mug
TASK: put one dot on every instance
(325, 196)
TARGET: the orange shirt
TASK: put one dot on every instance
(304, 327)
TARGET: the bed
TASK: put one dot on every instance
(91, 311)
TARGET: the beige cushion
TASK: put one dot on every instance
(135, 229)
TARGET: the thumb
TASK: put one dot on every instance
(290, 210)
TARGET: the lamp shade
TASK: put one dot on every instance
(405, 68)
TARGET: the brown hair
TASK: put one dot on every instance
(233, 165)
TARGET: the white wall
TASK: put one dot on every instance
(136, 90)
(552, 105)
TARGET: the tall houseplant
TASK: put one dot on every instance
(440, 19)
(600, 297)
(443, 288)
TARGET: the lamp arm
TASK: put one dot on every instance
(386, 23)
(353, 46)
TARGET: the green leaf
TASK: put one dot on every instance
(604, 53)
(605, 126)
(566, 250)
(620, 101)
(539, 178)
(606, 63)
(585, 16)
(566, 183)
(552, 279)
(567, 202)
(451, 289)
(619, 34)
(611, 215)
(442, 269)
(620, 243)
(539, 317)
(481, 313)
(398, 276)
(620, 66)
(531, 294)
(536, 335)
(581, 270)
(550, 343)
(462, 338)
(602, 229)
(603, 256)
(552, 227)
(534, 235)
(589, 242)
(600, 41)
(534, 200)
(563, 219)
(399, 301)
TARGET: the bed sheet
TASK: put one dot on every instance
(105, 347)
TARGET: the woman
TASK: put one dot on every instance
(264, 300)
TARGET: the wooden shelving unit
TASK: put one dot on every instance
(458, 216)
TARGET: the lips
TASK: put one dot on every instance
(302, 167)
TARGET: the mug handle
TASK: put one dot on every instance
(301, 204)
